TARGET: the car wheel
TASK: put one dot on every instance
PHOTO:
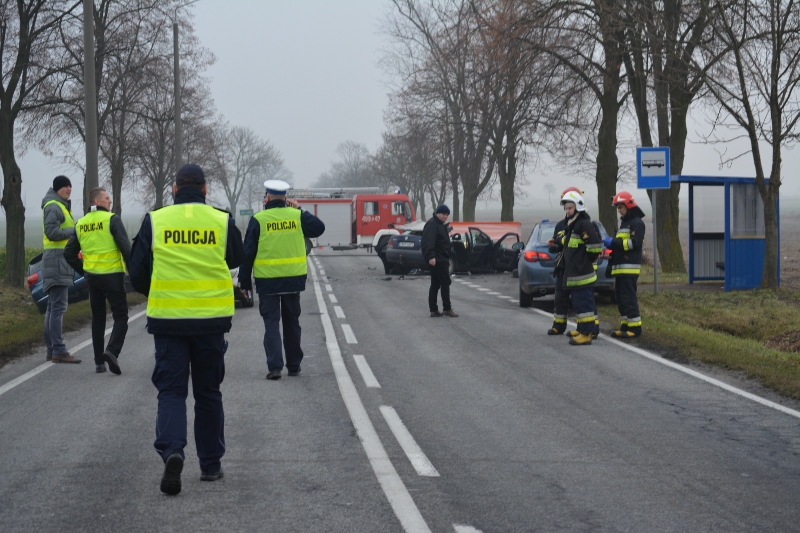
(515, 273)
(525, 300)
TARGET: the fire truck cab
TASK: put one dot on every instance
(354, 216)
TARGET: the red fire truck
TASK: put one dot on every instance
(353, 216)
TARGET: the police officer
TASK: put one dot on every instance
(561, 296)
(626, 263)
(275, 254)
(191, 246)
(102, 238)
(582, 246)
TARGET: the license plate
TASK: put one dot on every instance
(405, 244)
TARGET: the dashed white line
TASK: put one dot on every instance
(366, 372)
(412, 450)
(328, 287)
(492, 293)
(44, 366)
(321, 272)
(338, 311)
(349, 336)
(396, 492)
(333, 298)
(484, 289)
(465, 529)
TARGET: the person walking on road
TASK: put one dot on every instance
(582, 246)
(275, 254)
(102, 238)
(626, 263)
(561, 296)
(58, 226)
(436, 250)
(181, 260)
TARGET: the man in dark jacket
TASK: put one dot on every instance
(582, 246)
(180, 260)
(58, 226)
(561, 296)
(106, 250)
(436, 250)
(626, 263)
(275, 252)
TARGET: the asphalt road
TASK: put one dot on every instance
(402, 422)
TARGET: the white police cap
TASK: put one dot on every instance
(277, 187)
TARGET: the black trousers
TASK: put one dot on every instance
(584, 307)
(560, 306)
(440, 279)
(276, 309)
(627, 302)
(109, 287)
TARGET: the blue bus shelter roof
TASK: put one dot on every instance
(712, 180)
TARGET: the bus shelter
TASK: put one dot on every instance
(726, 231)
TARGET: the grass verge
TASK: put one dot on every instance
(22, 326)
(728, 330)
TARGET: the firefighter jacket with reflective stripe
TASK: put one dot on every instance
(190, 277)
(281, 246)
(68, 223)
(626, 247)
(558, 247)
(100, 252)
(582, 245)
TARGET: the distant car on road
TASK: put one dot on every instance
(472, 249)
(536, 265)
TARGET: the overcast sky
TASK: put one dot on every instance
(305, 75)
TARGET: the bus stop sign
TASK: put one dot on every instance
(652, 167)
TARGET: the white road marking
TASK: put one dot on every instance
(484, 289)
(402, 504)
(414, 453)
(349, 336)
(366, 372)
(333, 298)
(465, 529)
(689, 371)
(44, 366)
(338, 311)
(321, 272)
(492, 293)
(328, 287)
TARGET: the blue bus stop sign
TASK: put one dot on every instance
(652, 167)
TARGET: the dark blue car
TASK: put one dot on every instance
(79, 290)
(536, 265)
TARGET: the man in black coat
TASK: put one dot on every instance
(436, 250)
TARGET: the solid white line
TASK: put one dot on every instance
(366, 372)
(328, 287)
(338, 311)
(333, 298)
(349, 336)
(44, 366)
(689, 371)
(414, 453)
(465, 529)
(402, 504)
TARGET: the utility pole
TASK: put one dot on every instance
(177, 80)
(89, 102)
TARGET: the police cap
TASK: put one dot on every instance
(278, 187)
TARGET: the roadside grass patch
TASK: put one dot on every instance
(22, 326)
(730, 330)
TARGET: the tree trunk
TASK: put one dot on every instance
(607, 163)
(14, 208)
(769, 279)
(507, 172)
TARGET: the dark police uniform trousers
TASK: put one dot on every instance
(202, 357)
(109, 287)
(274, 309)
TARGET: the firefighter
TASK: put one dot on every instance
(582, 246)
(625, 264)
(102, 238)
(275, 253)
(181, 260)
(561, 297)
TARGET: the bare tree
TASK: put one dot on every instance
(353, 169)
(30, 58)
(756, 87)
(550, 189)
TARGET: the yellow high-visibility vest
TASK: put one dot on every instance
(190, 278)
(100, 252)
(68, 223)
(281, 246)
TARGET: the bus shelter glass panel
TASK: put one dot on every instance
(745, 254)
(747, 211)
(708, 231)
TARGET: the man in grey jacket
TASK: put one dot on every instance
(57, 275)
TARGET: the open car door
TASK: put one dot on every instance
(482, 250)
(506, 252)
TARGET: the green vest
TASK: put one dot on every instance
(190, 278)
(281, 246)
(68, 223)
(100, 252)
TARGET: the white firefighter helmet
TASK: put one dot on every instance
(574, 198)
